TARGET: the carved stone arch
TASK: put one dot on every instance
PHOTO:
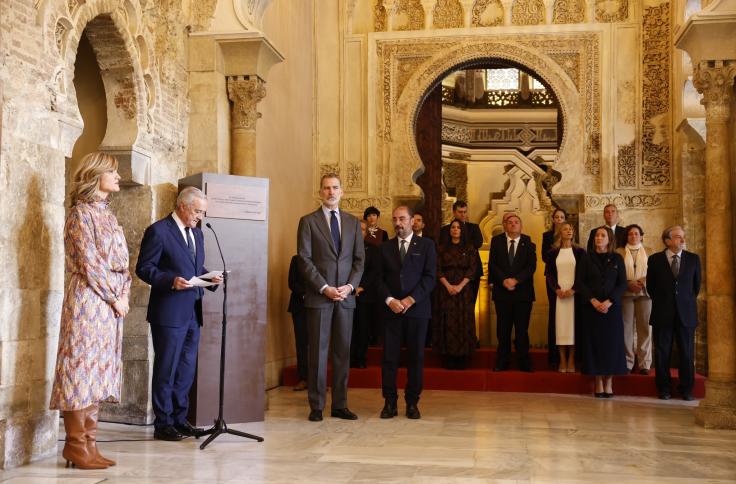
(403, 152)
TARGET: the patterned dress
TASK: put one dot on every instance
(89, 360)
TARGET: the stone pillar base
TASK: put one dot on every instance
(718, 409)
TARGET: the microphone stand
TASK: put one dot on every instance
(220, 427)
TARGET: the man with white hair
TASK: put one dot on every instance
(172, 252)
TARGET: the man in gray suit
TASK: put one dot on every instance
(330, 250)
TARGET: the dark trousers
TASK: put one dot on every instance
(174, 367)
(513, 315)
(301, 339)
(361, 332)
(330, 328)
(553, 355)
(415, 331)
(685, 339)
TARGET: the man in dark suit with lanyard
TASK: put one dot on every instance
(512, 263)
(408, 271)
(610, 215)
(673, 283)
(172, 252)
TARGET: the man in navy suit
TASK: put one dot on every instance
(610, 215)
(408, 271)
(172, 252)
(673, 283)
(513, 261)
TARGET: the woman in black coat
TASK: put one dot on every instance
(559, 216)
(605, 283)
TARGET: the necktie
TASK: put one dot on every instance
(335, 230)
(675, 265)
(511, 252)
(190, 244)
(402, 250)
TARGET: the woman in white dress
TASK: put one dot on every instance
(564, 271)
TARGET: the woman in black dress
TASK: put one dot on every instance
(605, 283)
(454, 334)
(559, 216)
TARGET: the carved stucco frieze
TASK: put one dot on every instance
(358, 205)
(644, 200)
(715, 81)
(409, 15)
(527, 12)
(448, 14)
(570, 62)
(245, 92)
(611, 10)
(329, 168)
(568, 12)
(354, 178)
(487, 13)
(626, 166)
(656, 166)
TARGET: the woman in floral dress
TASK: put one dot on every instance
(89, 360)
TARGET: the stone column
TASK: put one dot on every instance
(467, 12)
(428, 6)
(507, 6)
(390, 7)
(715, 80)
(549, 8)
(245, 92)
(590, 11)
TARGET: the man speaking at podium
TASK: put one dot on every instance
(330, 251)
(172, 252)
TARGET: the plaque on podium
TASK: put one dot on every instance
(238, 211)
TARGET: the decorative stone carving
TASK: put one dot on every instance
(626, 166)
(570, 62)
(455, 155)
(245, 92)
(527, 12)
(454, 133)
(568, 12)
(644, 200)
(715, 82)
(611, 10)
(354, 176)
(656, 169)
(358, 205)
(326, 169)
(487, 13)
(524, 136)
(405, 67)
(203, 11)
(379, 17)
(409, 15)
(448, 14)
(455, 176)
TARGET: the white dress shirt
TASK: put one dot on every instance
(328, 217)
(181, 226)
(406, 246)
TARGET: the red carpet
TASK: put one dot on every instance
(479, 377)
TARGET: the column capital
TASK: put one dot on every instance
(245, 92)
(715, 81)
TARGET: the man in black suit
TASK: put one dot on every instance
(472, 234)
(512, 263)
(366, 301)
(610, 215)
(408, 271)
(673, 283)
(299, 318)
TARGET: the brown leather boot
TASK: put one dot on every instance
(75, 448)
(90, 432)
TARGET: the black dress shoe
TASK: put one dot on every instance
(315, 416)
(599, 395)
(526, 368)
(189, 430)
(664, 396)
(412, 411)
(688, 397)
(389, 410)
(607, 395)
(167, 433)
(343, 413)
(501, 368)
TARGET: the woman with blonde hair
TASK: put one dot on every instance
(89, 359)
(565, 271)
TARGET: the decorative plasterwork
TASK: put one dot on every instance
(487, 13)
(448, 14)
(455, 176)
(568, 12)
(354, 178)
(358, 205)
(644, 200)
(715, 81)
(245, 92)
(656, 169)
(409, 15)
(379, 17)
(400, 90)
(527, 12)
(626, 169)
(612, 10)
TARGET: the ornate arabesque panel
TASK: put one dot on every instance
(455, 177)
(612, 10)
(448, 14)
(487, 13)
(645, 200)
(568, 12)
(379, 17)
(400, 91)
(409, 15)
(527, 12)
(656, 168)
(626, 166)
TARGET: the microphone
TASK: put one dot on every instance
(224, 268)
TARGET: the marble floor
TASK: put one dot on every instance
(463, 437)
